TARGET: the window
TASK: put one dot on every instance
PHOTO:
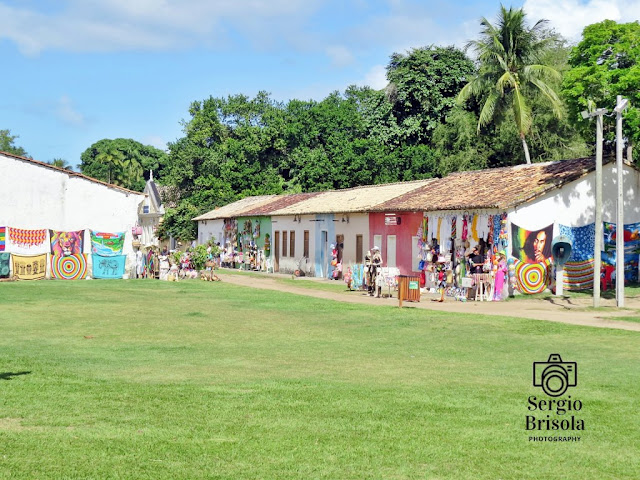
(284, 243)
(292, 243)
(306, 244)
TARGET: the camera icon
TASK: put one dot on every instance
(554, 375)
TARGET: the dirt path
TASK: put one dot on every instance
(564, 310)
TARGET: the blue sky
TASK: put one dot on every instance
(78, 71)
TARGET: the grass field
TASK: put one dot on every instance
(154, 380)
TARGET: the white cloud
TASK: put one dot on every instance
(113, 25)
(67, 113)
(376, 78)
(155, 141)
(340, 55)
(569, 17)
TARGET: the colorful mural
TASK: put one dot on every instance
(531, 246)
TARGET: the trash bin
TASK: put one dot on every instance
(408, 288)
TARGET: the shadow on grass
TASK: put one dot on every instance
(10, 375)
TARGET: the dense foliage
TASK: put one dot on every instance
(123, 162)
(606, 63)
(7, 144)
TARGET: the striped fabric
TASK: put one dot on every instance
(3, 238)
(578, 275)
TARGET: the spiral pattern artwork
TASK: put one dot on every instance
(69, 267)
(531, 277)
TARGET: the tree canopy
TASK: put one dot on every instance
(7, 144)
(606, 63)
(123, 162)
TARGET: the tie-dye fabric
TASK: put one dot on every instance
(5, 258)
(583, 240)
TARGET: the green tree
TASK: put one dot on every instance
(124, 162)
(511, 70)
(423, 85)
(7, 144)
(606, 63)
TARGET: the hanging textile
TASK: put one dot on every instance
(533, 277)
(483, 226)
(630, 264)
(357, 275)
(531, 246)
(578, 275)
(438, 232)
(108, 267)
(474, 229)
(495, 237)
(67, 243)
(3, 238)
(631, 237)
(107, 244)
(583, 241)
(69, 267)
(5, 258)
(27, 242)
(425, 230)
(490, 226)
(29, 267)
(454, 227)
(465, 229)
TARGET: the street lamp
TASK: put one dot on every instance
(597, 256)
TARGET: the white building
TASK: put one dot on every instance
(35, 195)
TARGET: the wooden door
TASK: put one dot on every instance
(276, 251)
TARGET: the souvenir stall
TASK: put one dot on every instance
(251, 243)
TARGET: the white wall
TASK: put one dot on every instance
(358, 224)
(211, 229)
(574, 204)
(287, 224)
(34, 197)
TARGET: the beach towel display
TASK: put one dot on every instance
(531, 246)
(630, 264)
(3, 238)
(107, 244)
(108, 267)
(27, 242)
(29, 267)
(66, 243)
(5, 258)
(631, 237)
(69, 267)
(532, 277)
(583, 241)
(578, 275)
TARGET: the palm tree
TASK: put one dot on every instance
(511, 69)
(113, 159)
(60, 163)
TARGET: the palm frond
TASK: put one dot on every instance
(522, 112)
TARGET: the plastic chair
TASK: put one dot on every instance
(605, 277)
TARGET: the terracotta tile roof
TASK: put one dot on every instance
(496, 188)
(279, 202)
(357, 199)
(235, 209)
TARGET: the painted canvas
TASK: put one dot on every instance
(631, 237)
(27, 242)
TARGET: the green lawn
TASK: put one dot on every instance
(154, 380)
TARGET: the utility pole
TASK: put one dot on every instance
(597, 255)
(620, 106)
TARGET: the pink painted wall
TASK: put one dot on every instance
(409, 223)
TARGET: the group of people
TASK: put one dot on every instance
(496, 268)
